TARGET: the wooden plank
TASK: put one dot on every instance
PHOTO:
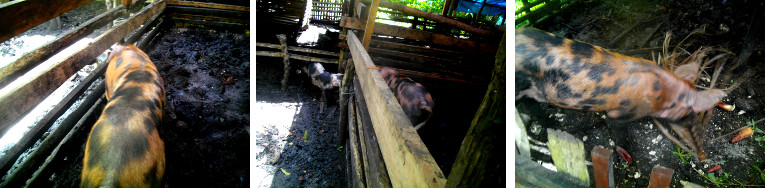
(480, 161)
(435, 17)
(21, 95)
(208, 12)
(417, 49)
(209, 5)
(377, 175)
(345, 94)
(298, 49)
(356, 164)
(80, 128)
(19, 16)
(530, 174)
(408, 161)
(370, 24)
(10, 72)
(521, 137)
(567, 153)
(430, 72)
(602, 167)
(661, 177)
(435, 38)
(208, 18)
(295, 56)
(414, 57)
(146, 41)
(149, 26)
(36, 158)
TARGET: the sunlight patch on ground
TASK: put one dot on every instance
(271, 130)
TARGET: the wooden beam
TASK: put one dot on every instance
(377, 175)
(295, 56)
(408, 161)
(356, 168)
(567, 153)
(370, 23)
(150, 24)
(33, 161)
(298, 49)
(480, 161)
(31, 59)
(417, 49)
(19, 16)
(21, 95)
(440, 39)
(80, 128)
(208, 18)
(435, 17)
(208, 12)
(209, 5)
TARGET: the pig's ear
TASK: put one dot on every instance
(688, 71)
(707, 99)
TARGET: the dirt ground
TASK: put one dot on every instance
(644, 24)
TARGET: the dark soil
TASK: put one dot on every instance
(726, 24)
(206, 124)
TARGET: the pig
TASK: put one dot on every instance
(412, 96)
(576, 75)
(322, 79)
(124, 148)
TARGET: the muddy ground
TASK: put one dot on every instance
(645, 22)
(206, 124)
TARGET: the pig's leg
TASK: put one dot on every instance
(322, 101)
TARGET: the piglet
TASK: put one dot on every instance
(413, 97)
(322, 79)
(576, 75)
(124, 148)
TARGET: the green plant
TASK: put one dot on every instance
(682, 154)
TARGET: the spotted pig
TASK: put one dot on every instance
(413, 97)
(322, 79)
(124, 148)
(576, 75)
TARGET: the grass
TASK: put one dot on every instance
(682, 154)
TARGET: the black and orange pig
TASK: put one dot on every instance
(124, 148)
(412, 96)
(576, 75)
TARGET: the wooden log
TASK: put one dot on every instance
(31, 59)
(521, 138)
(36, 158)
(81, 127)
(369, 25)
(345, 94)
(480, 161)
(435, 17)
(530, 174)
(661, 177)
(408, 161)
(602, 167)
(356, 164)
(567, 153)
(209, 5)
(298, 49)
(19, 16)
(377, 175)
(440, 39)
(21, 95)
(208, 18)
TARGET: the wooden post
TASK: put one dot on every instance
(568, 154)
(602, 167)
(344, 97)
(661, 177)
(375, 170)
(356, 168)
(370, 26)
(521, 138)
(481, 159)
(286, 60)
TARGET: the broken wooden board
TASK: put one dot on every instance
(602, 167)
(567, 153)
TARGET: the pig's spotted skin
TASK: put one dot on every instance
(124, 148)
(414, 99)
(577, 75)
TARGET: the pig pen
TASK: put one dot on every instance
(205, 69)
(638, 29)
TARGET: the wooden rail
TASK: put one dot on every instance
(435, 17)
(19, 16)
(407, 160)
(31, 59)
(21, 95)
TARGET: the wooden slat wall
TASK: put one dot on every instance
(408, 161)
(19, 16)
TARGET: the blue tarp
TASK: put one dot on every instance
(493, 7)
